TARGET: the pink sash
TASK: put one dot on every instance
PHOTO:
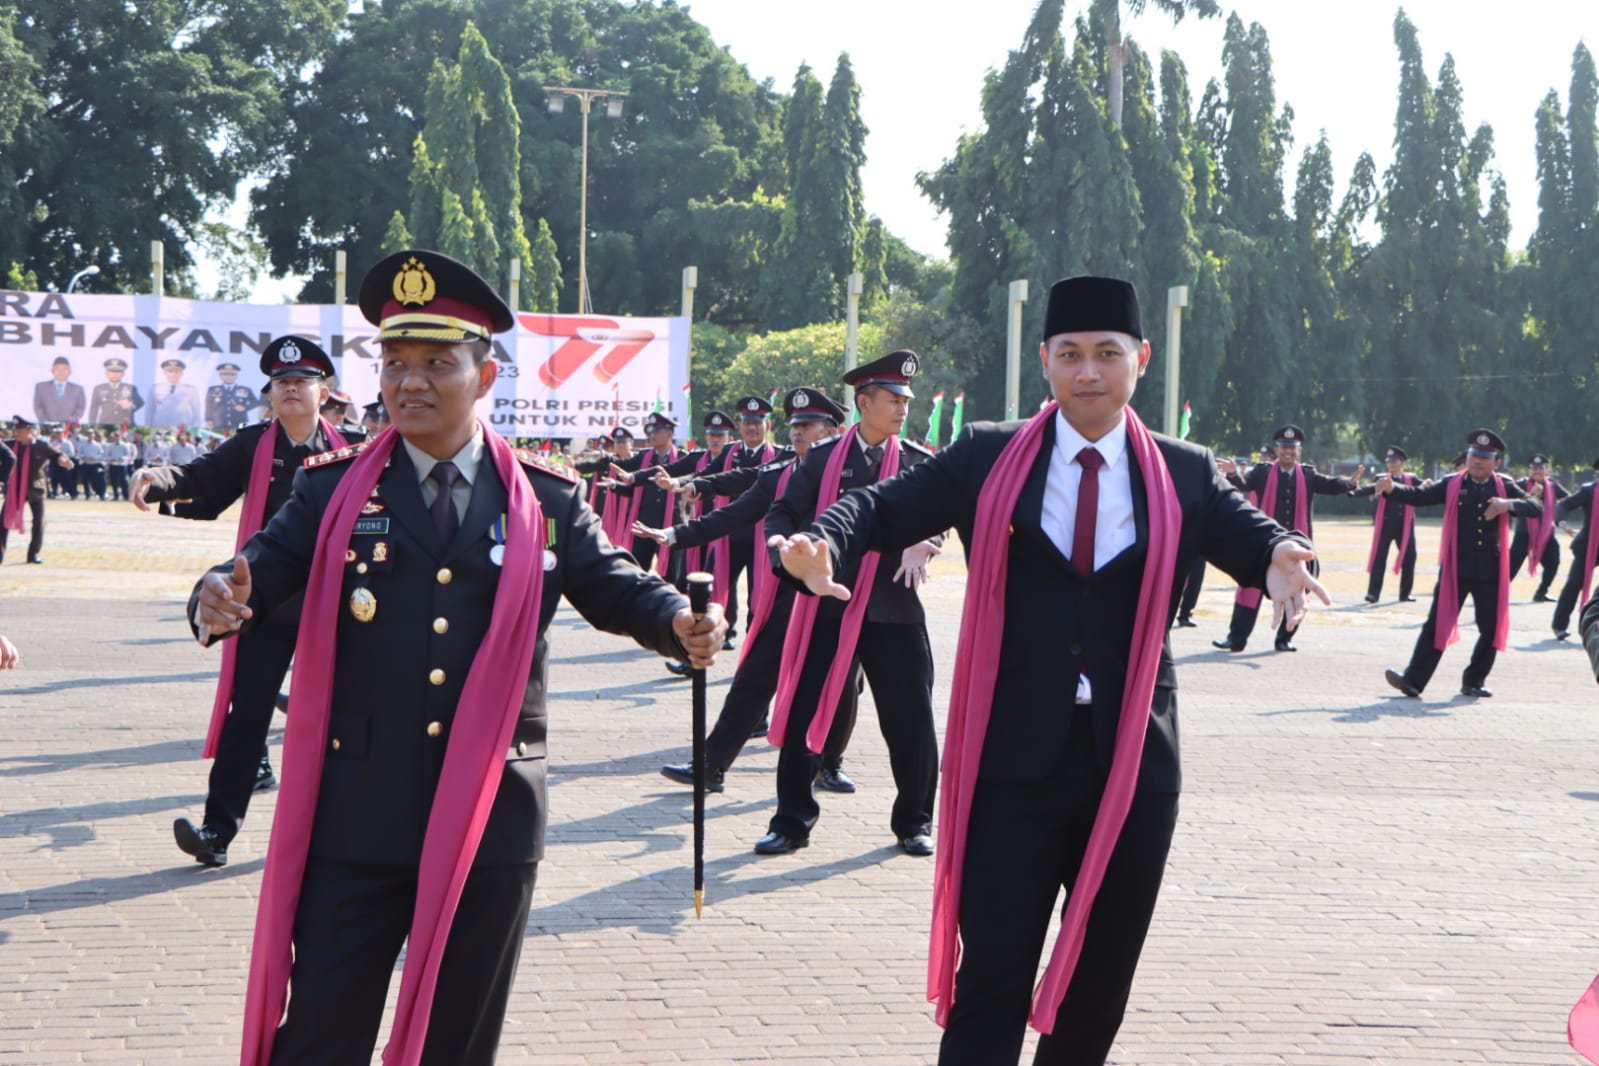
(1448, 625)
(722, 550)
(1591, 530)
(797, 641)
(1543, 527)
(16, 491)
(1582, 1024)
(972, 696)
(485, 720)
(251, 519)
(1405, 528)
(760, 610)
(1250, 598)
(636, 499)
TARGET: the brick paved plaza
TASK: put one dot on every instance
(1357, 878)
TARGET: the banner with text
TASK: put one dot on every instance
(169, 363)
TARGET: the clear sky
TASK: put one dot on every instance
(920, 65)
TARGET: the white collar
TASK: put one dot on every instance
(466, 460)
(1068, 442)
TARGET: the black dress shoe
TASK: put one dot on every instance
(1475, 692)
(203, 843)
(36, 562)
(1397, 680)
(1562, 634)
(1186, 622)
(282, 702)
(919, 844)
(834, 781)
(683, 774)
(1371, 599)
(1226, 645)
(681, 669)
(265, 779)
(728, 645)
(1283, 645)
(1540, 596)
(1407, 599)
(778, 844)
(761, 730)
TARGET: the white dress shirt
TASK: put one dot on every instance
(466, 461)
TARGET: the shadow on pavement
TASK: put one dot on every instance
(1388, 707)
(663, 823)
(94, 891)
(70, 826)
(113, 682)
(166, 751)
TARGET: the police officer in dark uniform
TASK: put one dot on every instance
(811, 418)
(419, 580)
(1395, 520)
(1288, 440)
(297, 370)
(1572, 590)
(228, 405)
(892, 647)
(23, 475)
(656, 506)
(1476, 556)
(374, 419)
(1548, 492)
(114, 401)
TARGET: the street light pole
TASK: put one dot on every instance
(87, 271)
(613, 109)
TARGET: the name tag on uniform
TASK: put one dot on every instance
(372, 525)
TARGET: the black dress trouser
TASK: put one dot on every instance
(353, 919)
(35, 526)
(1407, 566)
(263, 658)
(1192, 586)
(1572, 589)
(1521, 544)
(749, 698)
(899, 666)
(1485, 602)
(1024, 844)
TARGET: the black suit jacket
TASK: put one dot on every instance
(38, 455)
(219, 477)
(1477, 537)
(1282, 508)
(433, 609)
(891, 601)
(1058, 624)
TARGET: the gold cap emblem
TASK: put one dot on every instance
(413, 285)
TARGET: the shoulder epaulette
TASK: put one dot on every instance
(828, 443)
(916, 446)
(538, 461)
(337, 455)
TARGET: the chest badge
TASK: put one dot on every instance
(363, 605)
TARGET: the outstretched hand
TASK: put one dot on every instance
(809, 561)
(1288, 580)
(222, 601)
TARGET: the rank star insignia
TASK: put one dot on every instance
(413, 285)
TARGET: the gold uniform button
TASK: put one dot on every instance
(441, 626)
(435, 729)
(335, 743)
(437, 676)
(444, 575)
(360, 568)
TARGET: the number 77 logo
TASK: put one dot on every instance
(584, 336)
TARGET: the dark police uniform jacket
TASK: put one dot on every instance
(227, 406)
(1393, 518)
(1477, 537)
(743, 513)
(1536, 492)
(219, 477)
(398, 677)
(654, 505)
(38, 455)
(1057, 623)
(1282, 508)
(891, 601)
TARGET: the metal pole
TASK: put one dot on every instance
(853, 286)
(514, 289)
(583, 219)
(341, 275)
(691, 281)
(1176, 300)
(1013, 348)
(158, 269)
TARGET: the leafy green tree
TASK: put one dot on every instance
(541, 281)
(1107, 15)
(786, 359)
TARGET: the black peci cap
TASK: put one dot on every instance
(1088, 304)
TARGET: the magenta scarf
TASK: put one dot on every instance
(1582, 1024)
(485, 720)
(1404, 530)
(1543, 527)
(17, 490)
(1588, 554)
(636, 499)
(972, 695)
(1246, 597)
(1448, 628)
(760, 609)
(797, 641)
(251, 519)
(722, 556)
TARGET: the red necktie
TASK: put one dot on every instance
(1087, 511)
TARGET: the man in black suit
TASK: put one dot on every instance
(1397, 531)
(24, 477)
(418, 581)
(1548, 492)
(1065, 644)
(297, 371)
(892, 645)
(1477, 561)
(1286, 504)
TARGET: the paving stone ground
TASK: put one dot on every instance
(1357, 879)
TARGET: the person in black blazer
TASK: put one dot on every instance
(1063, 660)
(36, 457)
(1533, 485)
(1572, 589)
(1394, 520)
(419, 606)
(892, 649)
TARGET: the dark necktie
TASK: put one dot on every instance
(445, 523)
(1087, 511)
(874, 460)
